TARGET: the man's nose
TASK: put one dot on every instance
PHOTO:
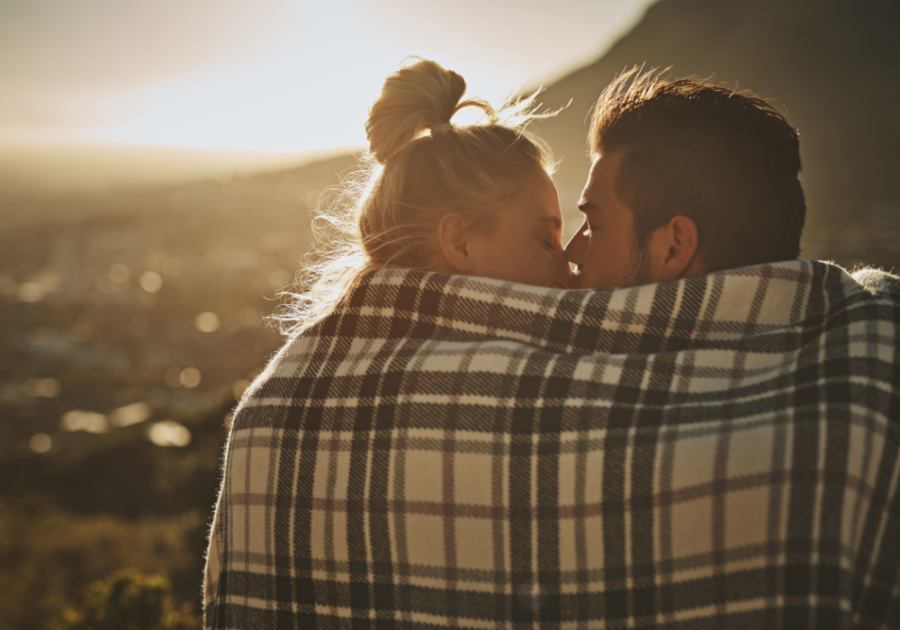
(574, 251)
(562, 271)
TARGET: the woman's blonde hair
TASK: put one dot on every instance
(419, 167)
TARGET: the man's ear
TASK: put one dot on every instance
(454, 243)
(680, 248)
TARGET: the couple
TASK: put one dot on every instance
(704, 433)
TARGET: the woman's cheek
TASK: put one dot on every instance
(545, 272)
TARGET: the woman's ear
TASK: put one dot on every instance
(454, 243)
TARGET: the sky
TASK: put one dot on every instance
(266, 75)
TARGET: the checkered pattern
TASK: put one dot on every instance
(716, 452)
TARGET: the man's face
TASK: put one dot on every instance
(605, 248)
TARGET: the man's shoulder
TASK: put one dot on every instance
(878, 283)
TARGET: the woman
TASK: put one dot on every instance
(473, 200)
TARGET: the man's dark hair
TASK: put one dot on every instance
(728, 160)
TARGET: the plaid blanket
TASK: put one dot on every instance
(715, 452)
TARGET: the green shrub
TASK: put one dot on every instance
(48, 557)
(129, 600)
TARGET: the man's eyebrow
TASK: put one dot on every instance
(554, 220)
(587, 206)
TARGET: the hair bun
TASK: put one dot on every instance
(421, 95)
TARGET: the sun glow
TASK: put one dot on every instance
(280, 76)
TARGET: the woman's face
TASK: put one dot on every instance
(525, 243)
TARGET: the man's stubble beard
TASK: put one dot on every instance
(640, 264)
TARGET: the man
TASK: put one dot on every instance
(687, 178)
(719, 449)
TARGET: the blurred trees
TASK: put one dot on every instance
(108, 502)
(131, 601)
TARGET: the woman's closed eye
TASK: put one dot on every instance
(547, 244)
